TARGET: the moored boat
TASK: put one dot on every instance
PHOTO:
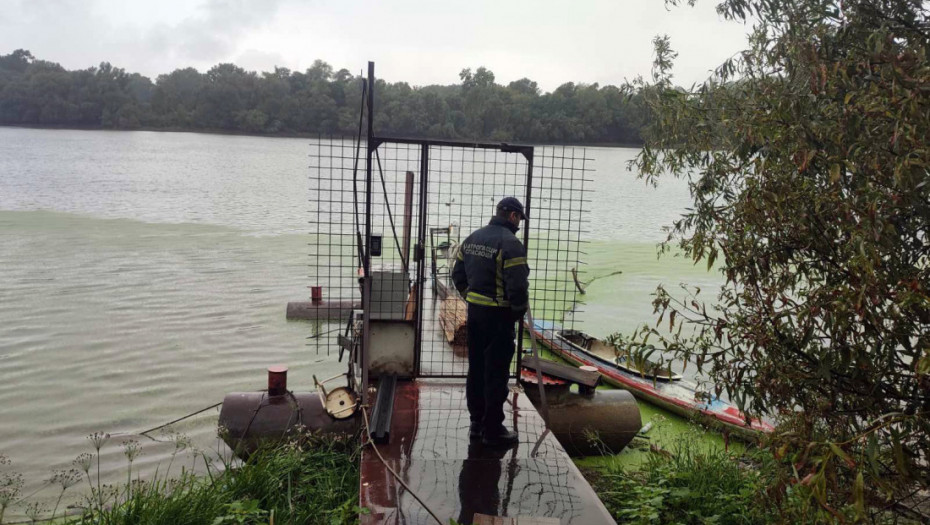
(673, 394)
(642, 367)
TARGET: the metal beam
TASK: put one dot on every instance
(366, 278)
(527, 151)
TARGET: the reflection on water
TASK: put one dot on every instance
(143, 275)
(478, 493)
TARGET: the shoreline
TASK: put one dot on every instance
(296, 135)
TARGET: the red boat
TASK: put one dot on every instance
(668, 391)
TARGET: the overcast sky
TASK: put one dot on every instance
(421, 42)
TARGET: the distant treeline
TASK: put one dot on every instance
(319, 100)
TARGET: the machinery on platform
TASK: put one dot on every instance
(377, 275)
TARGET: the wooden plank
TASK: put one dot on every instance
(568, 373)
(453, 316)
(442, 290)
(410, 309)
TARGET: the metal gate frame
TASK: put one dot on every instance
(373, 143)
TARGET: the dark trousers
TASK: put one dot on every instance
(490, 350)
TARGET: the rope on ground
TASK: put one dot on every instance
(178, 420)
(395, 474)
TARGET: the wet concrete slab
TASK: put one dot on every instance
(456, 478)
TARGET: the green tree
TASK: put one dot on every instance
(317, 100)
(176, 97)
(16, 61)
(228, 91)
(807, 160)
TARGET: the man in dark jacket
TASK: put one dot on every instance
(491, 273)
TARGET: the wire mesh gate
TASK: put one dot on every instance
(396, 208)
(463, 186)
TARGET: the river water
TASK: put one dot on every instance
(144, 275)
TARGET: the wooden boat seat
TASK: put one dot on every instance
(565, 372)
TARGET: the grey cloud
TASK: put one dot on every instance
(258, 60)
(418, 41)
(213, 34)
(80, 34)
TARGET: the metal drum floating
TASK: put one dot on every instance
(250, 419)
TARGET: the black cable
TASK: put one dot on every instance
(397, 476)
(358, 148)
(255, 411)
(387, 205)
(192, 414)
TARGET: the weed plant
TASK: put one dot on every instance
(689, 485)
(307, 480)
(11, 484)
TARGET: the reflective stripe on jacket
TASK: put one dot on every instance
(491, 267)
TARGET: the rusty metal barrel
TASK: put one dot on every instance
(593, 425)
(317, 308)
(250, 419)
(324, 310)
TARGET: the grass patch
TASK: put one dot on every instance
(306, 481)
(309, 483)
(313, 481)
(694, 485)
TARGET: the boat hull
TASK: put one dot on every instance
(679, 397)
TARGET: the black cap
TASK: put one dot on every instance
(512, 204)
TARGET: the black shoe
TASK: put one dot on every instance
(475, 431)
(504, 438)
